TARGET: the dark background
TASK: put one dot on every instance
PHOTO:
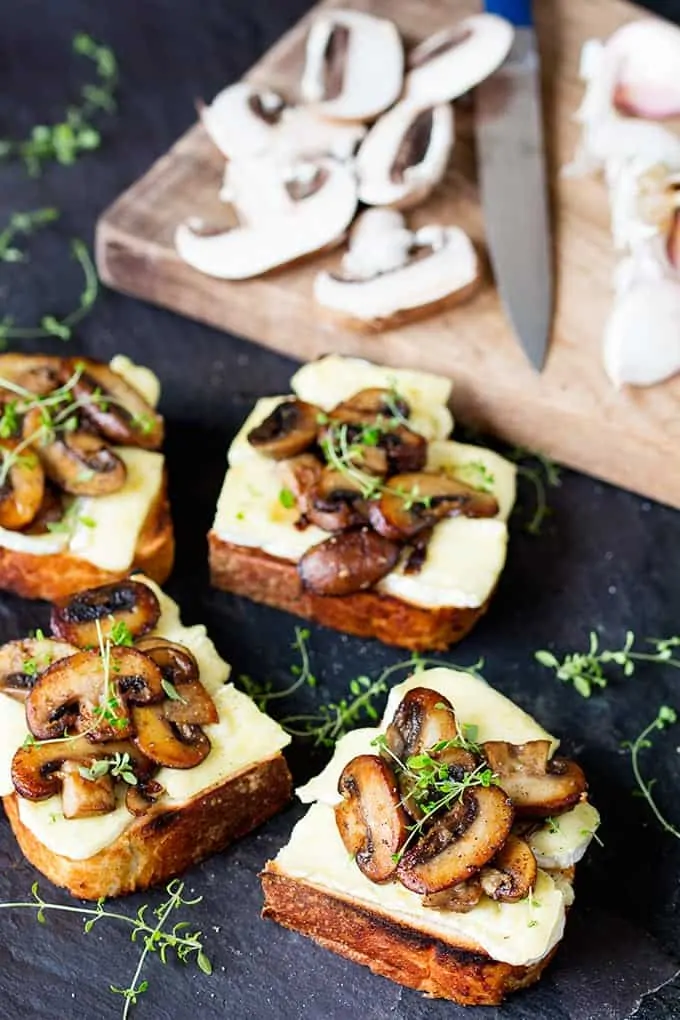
(605, 561)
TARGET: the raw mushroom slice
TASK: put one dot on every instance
(453, 61)
(404, 155)
(242, 119)
(347, 563)
(354, 65)
(390, 271)
(319, 205)
(23, 486)
(22, 662)
(85, 693)
(412, 502)
(641, 343)
(290, 429)
(117, 410)
(127, 602)
(511, 875)
(459, 843)
(537, 786)
(78, 461)
(372, 824)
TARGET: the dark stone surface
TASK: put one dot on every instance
(606, 561)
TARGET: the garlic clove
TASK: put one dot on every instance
(642, 335)
(646, 57)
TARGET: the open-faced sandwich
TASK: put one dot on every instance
(347, 504)
(82, 482)
(439, 849)
(125, 756)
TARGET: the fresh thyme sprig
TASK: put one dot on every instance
(185, 945)
(64, 141)
(541, 475)
(586, 670)
(23, 224)
(666, 716)
(120, 766)
(263, 694)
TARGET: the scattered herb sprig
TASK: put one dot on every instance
(541, 473)
(64, 141)
(262, 694)
(120, 766)
(186, 945)
(666, 716)
(587, 670)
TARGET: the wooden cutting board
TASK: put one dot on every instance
(571, 411)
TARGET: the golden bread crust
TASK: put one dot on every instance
(166, 840)
(439, 968)
(276, 582)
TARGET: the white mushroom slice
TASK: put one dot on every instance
(241, 120)
(354, 65)
(320, 207)
(404, 155)
(642, 335)
(456, 59)
(388, 269)
(645, 56)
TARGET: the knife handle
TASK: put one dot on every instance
(518, 12)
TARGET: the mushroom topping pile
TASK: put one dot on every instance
(359, 472)
(436, 812)
(106, 701)
(360, 136)
(58, 417)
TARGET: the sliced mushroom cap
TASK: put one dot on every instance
(456, 59)
(82, 797)
(79, 461)
(371, 822)
(139, 798)
(337, 503)
(404, 155)
(79, 694)
(116, 408)
(370, 405)
(130, 602)
(511, 875)
(188, 701)
(412, 502)
(22, 662)
(37, 373)
(241, 119)
(346, 563)
(22, 491)
(459, 843)
(459, 899)
(423, 719)
(290, 429)
(175, 745)
(37, 768)
(537, 786)
(317, 199)
(344, 48)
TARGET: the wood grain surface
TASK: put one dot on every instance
(571, 411)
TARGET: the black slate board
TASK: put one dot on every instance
(606, 561)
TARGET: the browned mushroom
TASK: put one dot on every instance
(459, 843)
(117, 409)
(139, 798)
(22, 662)
(79, 462)
(126, 602)
(349, 562)
(85, 693)
(460, 899)
(22, 489)
(188, 701)
(537, 786)
(337, 502)
(52, 510)
(82, 797)
(412, 502)
(176, 745)
(371, 822)
(511, 875)
(370, 405)
(290, 429)
(38, 769)
(37, 373)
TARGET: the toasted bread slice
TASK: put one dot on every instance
(276, 582)
(56, 575)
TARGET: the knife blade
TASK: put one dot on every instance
(509, 135)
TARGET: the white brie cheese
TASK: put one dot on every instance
(562, 842)
(141, 378)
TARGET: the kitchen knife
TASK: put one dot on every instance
(509, 133)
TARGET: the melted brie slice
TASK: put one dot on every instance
(241, 738)
(516, 933)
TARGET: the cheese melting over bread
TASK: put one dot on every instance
(464, 557)
(104, 530)
(242, 737)
(516, 933)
